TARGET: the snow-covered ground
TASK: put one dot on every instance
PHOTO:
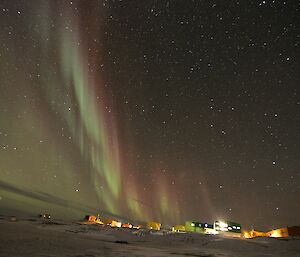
(35, 237)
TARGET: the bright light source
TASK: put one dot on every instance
(211, 231)
(223, 224)
(223, 229)
(275, 234)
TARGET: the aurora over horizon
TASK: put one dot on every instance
(151, 110)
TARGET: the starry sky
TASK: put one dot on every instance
(161, 110)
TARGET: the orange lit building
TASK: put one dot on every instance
(126, 225)
(91, 219)
(113, 223)
(253, 233)
(280, 232)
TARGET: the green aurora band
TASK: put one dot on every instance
(73, 100)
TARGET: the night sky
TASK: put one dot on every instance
(152, 110)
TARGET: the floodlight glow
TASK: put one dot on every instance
(275, 234)
(211, 231)
(223, 224)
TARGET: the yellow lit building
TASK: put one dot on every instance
(178, 228)
(153, 225)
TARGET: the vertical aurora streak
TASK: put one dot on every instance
(98, 142)
(92, 137)
(77, 101)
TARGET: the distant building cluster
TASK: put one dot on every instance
(227, 228)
